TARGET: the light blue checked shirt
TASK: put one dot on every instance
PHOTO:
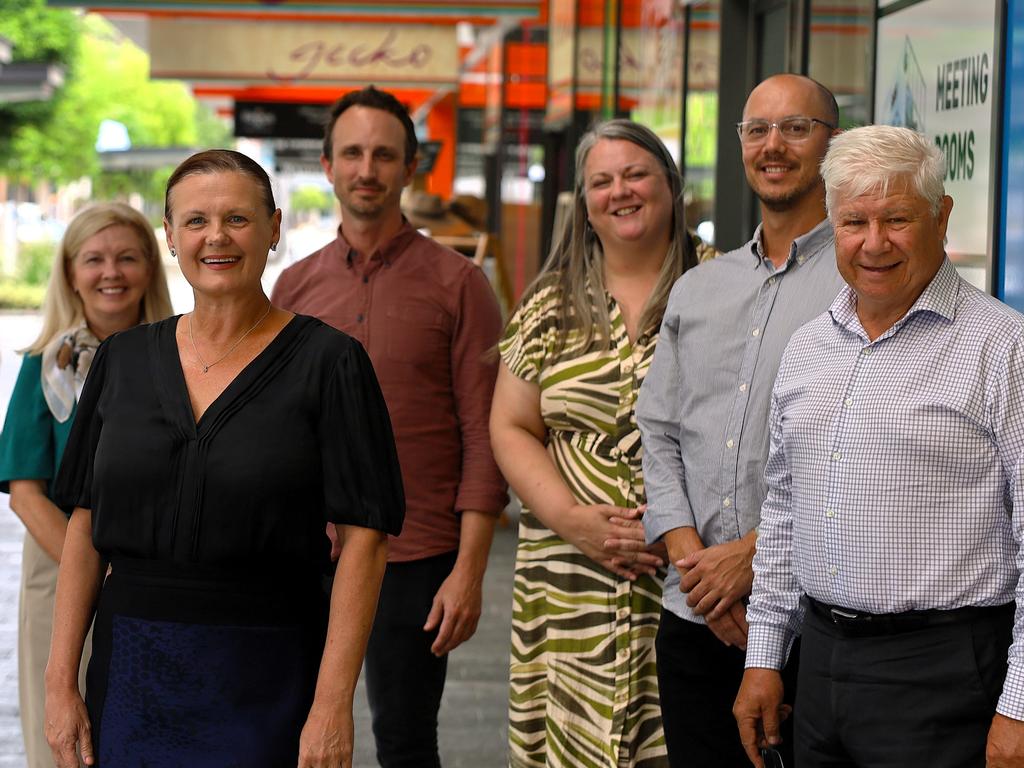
(893, 470)
(703, 408)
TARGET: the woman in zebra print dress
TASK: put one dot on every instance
(587, 596)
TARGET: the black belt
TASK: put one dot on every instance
(860, 624)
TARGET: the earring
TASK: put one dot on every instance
(174, 254)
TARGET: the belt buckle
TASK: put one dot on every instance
(838, 616)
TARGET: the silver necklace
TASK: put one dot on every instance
(208, 366)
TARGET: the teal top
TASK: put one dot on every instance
(32, 443)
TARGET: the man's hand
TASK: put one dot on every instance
(718, 576)
(456, 609)
(759, 711)
(1005, 747)
(731, 626)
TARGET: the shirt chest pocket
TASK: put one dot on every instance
(417, 333)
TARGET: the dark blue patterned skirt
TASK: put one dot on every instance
(203, 667)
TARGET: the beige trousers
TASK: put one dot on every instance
(35, 625)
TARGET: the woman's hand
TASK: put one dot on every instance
(67, 728)
(327, 738)
(613, 537)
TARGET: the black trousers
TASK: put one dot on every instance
(404, 680)
(698, 679)
(920, 698)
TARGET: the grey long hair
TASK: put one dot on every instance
(575, 264)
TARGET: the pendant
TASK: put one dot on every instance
(206, 368)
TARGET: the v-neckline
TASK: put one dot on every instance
(235, 387)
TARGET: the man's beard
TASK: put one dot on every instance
(788, 200)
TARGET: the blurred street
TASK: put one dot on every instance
(473, 729)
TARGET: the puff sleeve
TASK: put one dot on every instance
(362, 479)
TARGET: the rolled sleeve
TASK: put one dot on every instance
(474, 364)
(658, 414)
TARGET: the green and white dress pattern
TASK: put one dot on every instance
(584, 689)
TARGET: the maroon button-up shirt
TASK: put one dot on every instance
(429, 320)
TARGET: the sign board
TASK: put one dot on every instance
(302, 52)
(280, 120)
(936, 72)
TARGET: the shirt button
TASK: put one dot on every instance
(730, 443)
(359, 318)
(833, 571)
(623, 613)
(848, 402)
(830, 513)
(726, 502)
(836, 455)
(756, 332)
(743, 387)
(866, 351)
(623, 653)
(365, 279)
(771, 281)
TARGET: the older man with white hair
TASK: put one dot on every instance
(893, 520)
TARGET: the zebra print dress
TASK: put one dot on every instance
(584, 690)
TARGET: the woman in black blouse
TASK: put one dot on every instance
(207, 453)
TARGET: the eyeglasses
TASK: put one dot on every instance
(792, 129)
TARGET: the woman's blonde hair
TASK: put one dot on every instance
(575, 264)
(62, 308)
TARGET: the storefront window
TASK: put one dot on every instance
(702, 117)
(660, 84)
(840, 55)
(936, 73)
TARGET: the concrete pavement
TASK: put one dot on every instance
(473, 729)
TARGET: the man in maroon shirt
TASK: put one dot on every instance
(429, 320)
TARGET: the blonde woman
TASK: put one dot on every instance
(106, 277)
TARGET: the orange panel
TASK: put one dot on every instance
(528, 59)
(441, 127)
(302, 94)
(526, 95)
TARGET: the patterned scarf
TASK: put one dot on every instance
(66, 362)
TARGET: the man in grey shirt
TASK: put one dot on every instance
(703, 412)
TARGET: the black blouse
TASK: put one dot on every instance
(299, 438)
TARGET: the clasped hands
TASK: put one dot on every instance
(613, 537)
(715, 580)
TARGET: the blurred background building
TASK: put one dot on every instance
(500, 91)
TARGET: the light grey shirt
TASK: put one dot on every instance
(703, 408)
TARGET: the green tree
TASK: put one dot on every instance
(108, 78)
(307, 199)
(38, 34)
